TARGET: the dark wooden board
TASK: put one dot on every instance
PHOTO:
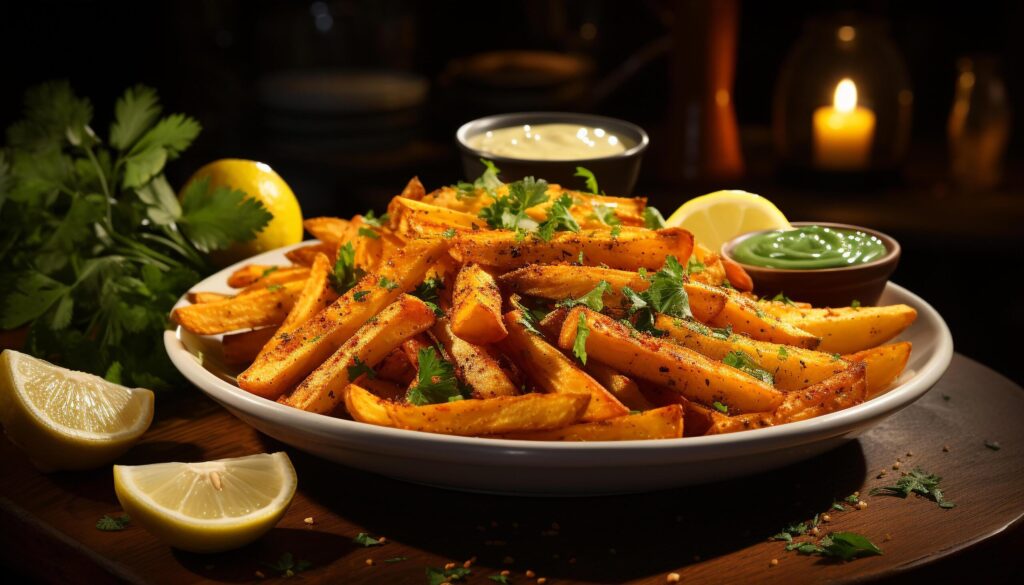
(711, 533)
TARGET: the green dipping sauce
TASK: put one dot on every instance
(809, 247)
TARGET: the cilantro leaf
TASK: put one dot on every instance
(368, 233)
(486, 182)
(606, 215)
(163, 142)
(448, 233)
(134, 112)
(919, 482)
(387, 283)
(371, 219)
(847, 546)
(742, 361)
(782, 298)
(346, 274)
(509, 211)
(591, 180)
(364, 539)
(783, 353)
(579, 346)
(31, 296)
(559, 219)
(436, 576)
(435, 380)
(653, 218)
(427, 292)
(855, 304)
(694, 266)
(499, 578)
(720, 407)
(358, 368)
(213, 221)
(109, 523)
(527, 319)
(593, 299)
(287, 566)
(666, 294)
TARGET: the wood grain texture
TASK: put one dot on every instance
(709, 534)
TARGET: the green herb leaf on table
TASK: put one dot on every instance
(287, 566)
(503, 579)
(109, 523)
(436, 576)
(579, 345)
(742, 361)
(919, 482)
(435, 380)
(590, 179)
(364, 539)
(396, 560)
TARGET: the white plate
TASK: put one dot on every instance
(550, 468)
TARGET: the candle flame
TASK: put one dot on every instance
(845, 100)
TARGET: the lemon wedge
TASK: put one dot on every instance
(718, 217)
(65, 419)
(209, 506)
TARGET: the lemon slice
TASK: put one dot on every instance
(210, 506)
(718, 217)
(65, 419)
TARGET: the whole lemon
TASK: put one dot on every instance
(261, 183)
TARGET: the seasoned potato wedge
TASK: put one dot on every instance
(551, 370)
(746, 316)
(884, 363)
(792, 367)
(304, 256)
(476, 306)
(492, 416)
(476, 365)
(848, 329)
(668, 364)
(412, 218)
(632, 248)
(315, 295)
(329, 230)
(621, 386)
(206, 297)
(256, 274)
(263, 308)
(321, 390)
(660, 423)
(311, 344)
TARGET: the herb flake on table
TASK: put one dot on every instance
(436, 576)
(287, 566)
(364, 539)
(108, 523)
(919, 482)
(396, 560)
(844, 546)
(994, 445)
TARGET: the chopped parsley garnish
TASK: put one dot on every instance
(435, 380)
(346, 274)
(838, 507)
(844, 546)
(919, 482)
(855, 304)
(836, 357)
(694, 266)
(783, 352)
(368, 233)
(508, 212)
(852, 499)
(559, 219)
(720, 407)
(605, 214)
(616, 230)
(579, 346)
(287, 566)
(109, 523)
(448, 233)
(793, 529)
(387, 283)
(590, 179)
(593, 299)
(358, 368)
(274, 287)
(723, 333)
(665, 295)
(268, 271)
(365, 539)
(370, 219)
(653, 218)
(499, 578)
(360, 295)
(437, 576)
(527, 318)
(782, 298)
(487, 182)
(742, 361)
(427, 292)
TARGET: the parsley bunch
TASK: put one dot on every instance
(95, 247)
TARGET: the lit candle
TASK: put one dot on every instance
(843, 131)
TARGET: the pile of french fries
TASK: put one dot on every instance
(353, 353)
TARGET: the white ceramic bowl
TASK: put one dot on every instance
(550, 468)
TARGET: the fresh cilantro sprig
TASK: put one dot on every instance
(665, 295)
(742, 361)
(108, 523)
(653, 219)
(95, 245)
(593, 299)
(364, 539)
(527, 318)
(436, 576)
(435, 380)
(579, 345)
(427, 292)
(287, 566)
(508, 212)
(559, 219)
(589, 178)
(843, 546)
(919, 482)
(488, 182)
(358, 368)
(346, 274)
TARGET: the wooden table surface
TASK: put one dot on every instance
(708, 534)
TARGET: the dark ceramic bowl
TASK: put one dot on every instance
(825, 287)
(616, 175)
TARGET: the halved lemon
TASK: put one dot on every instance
(210, 506)
(718, 217)
(65, 419)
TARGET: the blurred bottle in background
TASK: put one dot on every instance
(979, 124)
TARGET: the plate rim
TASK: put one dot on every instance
(483, 450)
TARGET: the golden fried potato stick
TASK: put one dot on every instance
(848, 329)
(621, 386)
(668, 364)
(659, 423)
(550, 369)
(322, 390)
(476, 365)
(304, 256)
(206, 297)
(277, 370)
(411, 218)
(630, 249)
(329, 230)
(252, 274)
(259, 308)
(316, 294)
(472, 417)
(792, 367)
(476, 307)
(884, 363)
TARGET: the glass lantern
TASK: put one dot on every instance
(843, 101)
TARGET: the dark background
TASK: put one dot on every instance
(212, 60)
